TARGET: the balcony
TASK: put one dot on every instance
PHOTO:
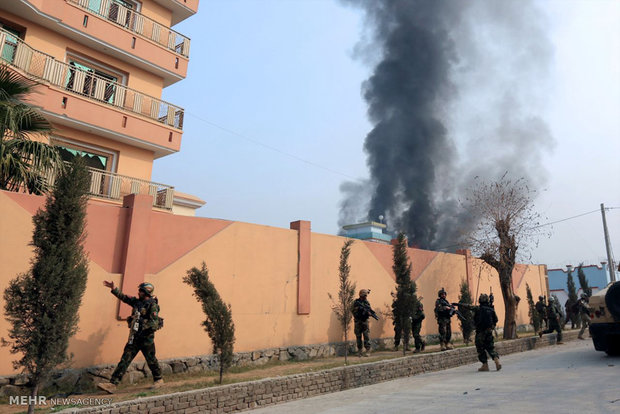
(41, 66)
(181, 9)
(137, 23)
(111, 186)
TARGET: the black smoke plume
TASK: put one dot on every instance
(450, 98)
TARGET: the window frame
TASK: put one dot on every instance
(81, 146)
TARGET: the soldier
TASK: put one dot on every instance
(541, 308)
(361, 312)
(443, 313)
(555, 318)
(572, 315)
(396, 322)
(584, 314)
(485, 320)
(143, 323)
(416, 326)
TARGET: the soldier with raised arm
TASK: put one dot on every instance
(143, 323)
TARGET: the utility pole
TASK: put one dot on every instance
(610, 263)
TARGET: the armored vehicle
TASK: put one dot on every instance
(605, 314)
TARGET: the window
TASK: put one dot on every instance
(9, 47)
(118, 11)
(95, 158)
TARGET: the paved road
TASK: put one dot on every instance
(570, 378)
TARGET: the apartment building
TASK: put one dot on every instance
(102, 66)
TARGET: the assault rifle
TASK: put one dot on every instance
(367, 309)
(134, 325)
(455, 311)
(491, 300)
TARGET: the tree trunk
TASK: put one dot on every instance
(510, 308)
(221, 369)
(346, 347)
(33, 397)
(405, 324)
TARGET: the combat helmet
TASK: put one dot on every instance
(484, 298)
(541, 298)
(147, 288)
(364, 292)
(441, 292)
(551, 299)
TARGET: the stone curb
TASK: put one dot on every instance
(243, 396)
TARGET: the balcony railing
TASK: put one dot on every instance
(42, 66)
(113, 186)
(135, 22)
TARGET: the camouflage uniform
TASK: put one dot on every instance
(484, 334)
(443, 320)
(584, 315)
(398, 331)
(555, 318)
(143, 340)
(541, 309)
(360, 315)
(485, 320)
(416, 326)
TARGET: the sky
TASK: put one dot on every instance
(275, 120)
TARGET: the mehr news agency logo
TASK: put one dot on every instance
(41, 400)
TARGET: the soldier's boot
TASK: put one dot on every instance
(417, 350)
(158, 384)
(442, 347)
(484, 367)
(395, 347)
(367, 353)
(359, 353)
(423, 345)
(108, 387)
(580, 337)
(449, 345)
(540, 334)
(498, 366)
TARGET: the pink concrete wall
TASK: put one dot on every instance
(255, 268)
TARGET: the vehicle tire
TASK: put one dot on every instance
(613, 346)
(612, 300)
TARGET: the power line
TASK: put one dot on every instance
(566, 219)
(279, 151)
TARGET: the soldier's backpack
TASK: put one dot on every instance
(485, 318)
(160, 320)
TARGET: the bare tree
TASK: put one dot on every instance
(506, 223)
(346, 295)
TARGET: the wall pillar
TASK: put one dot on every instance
(303, 266)
(136, 243)
(468, 267)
